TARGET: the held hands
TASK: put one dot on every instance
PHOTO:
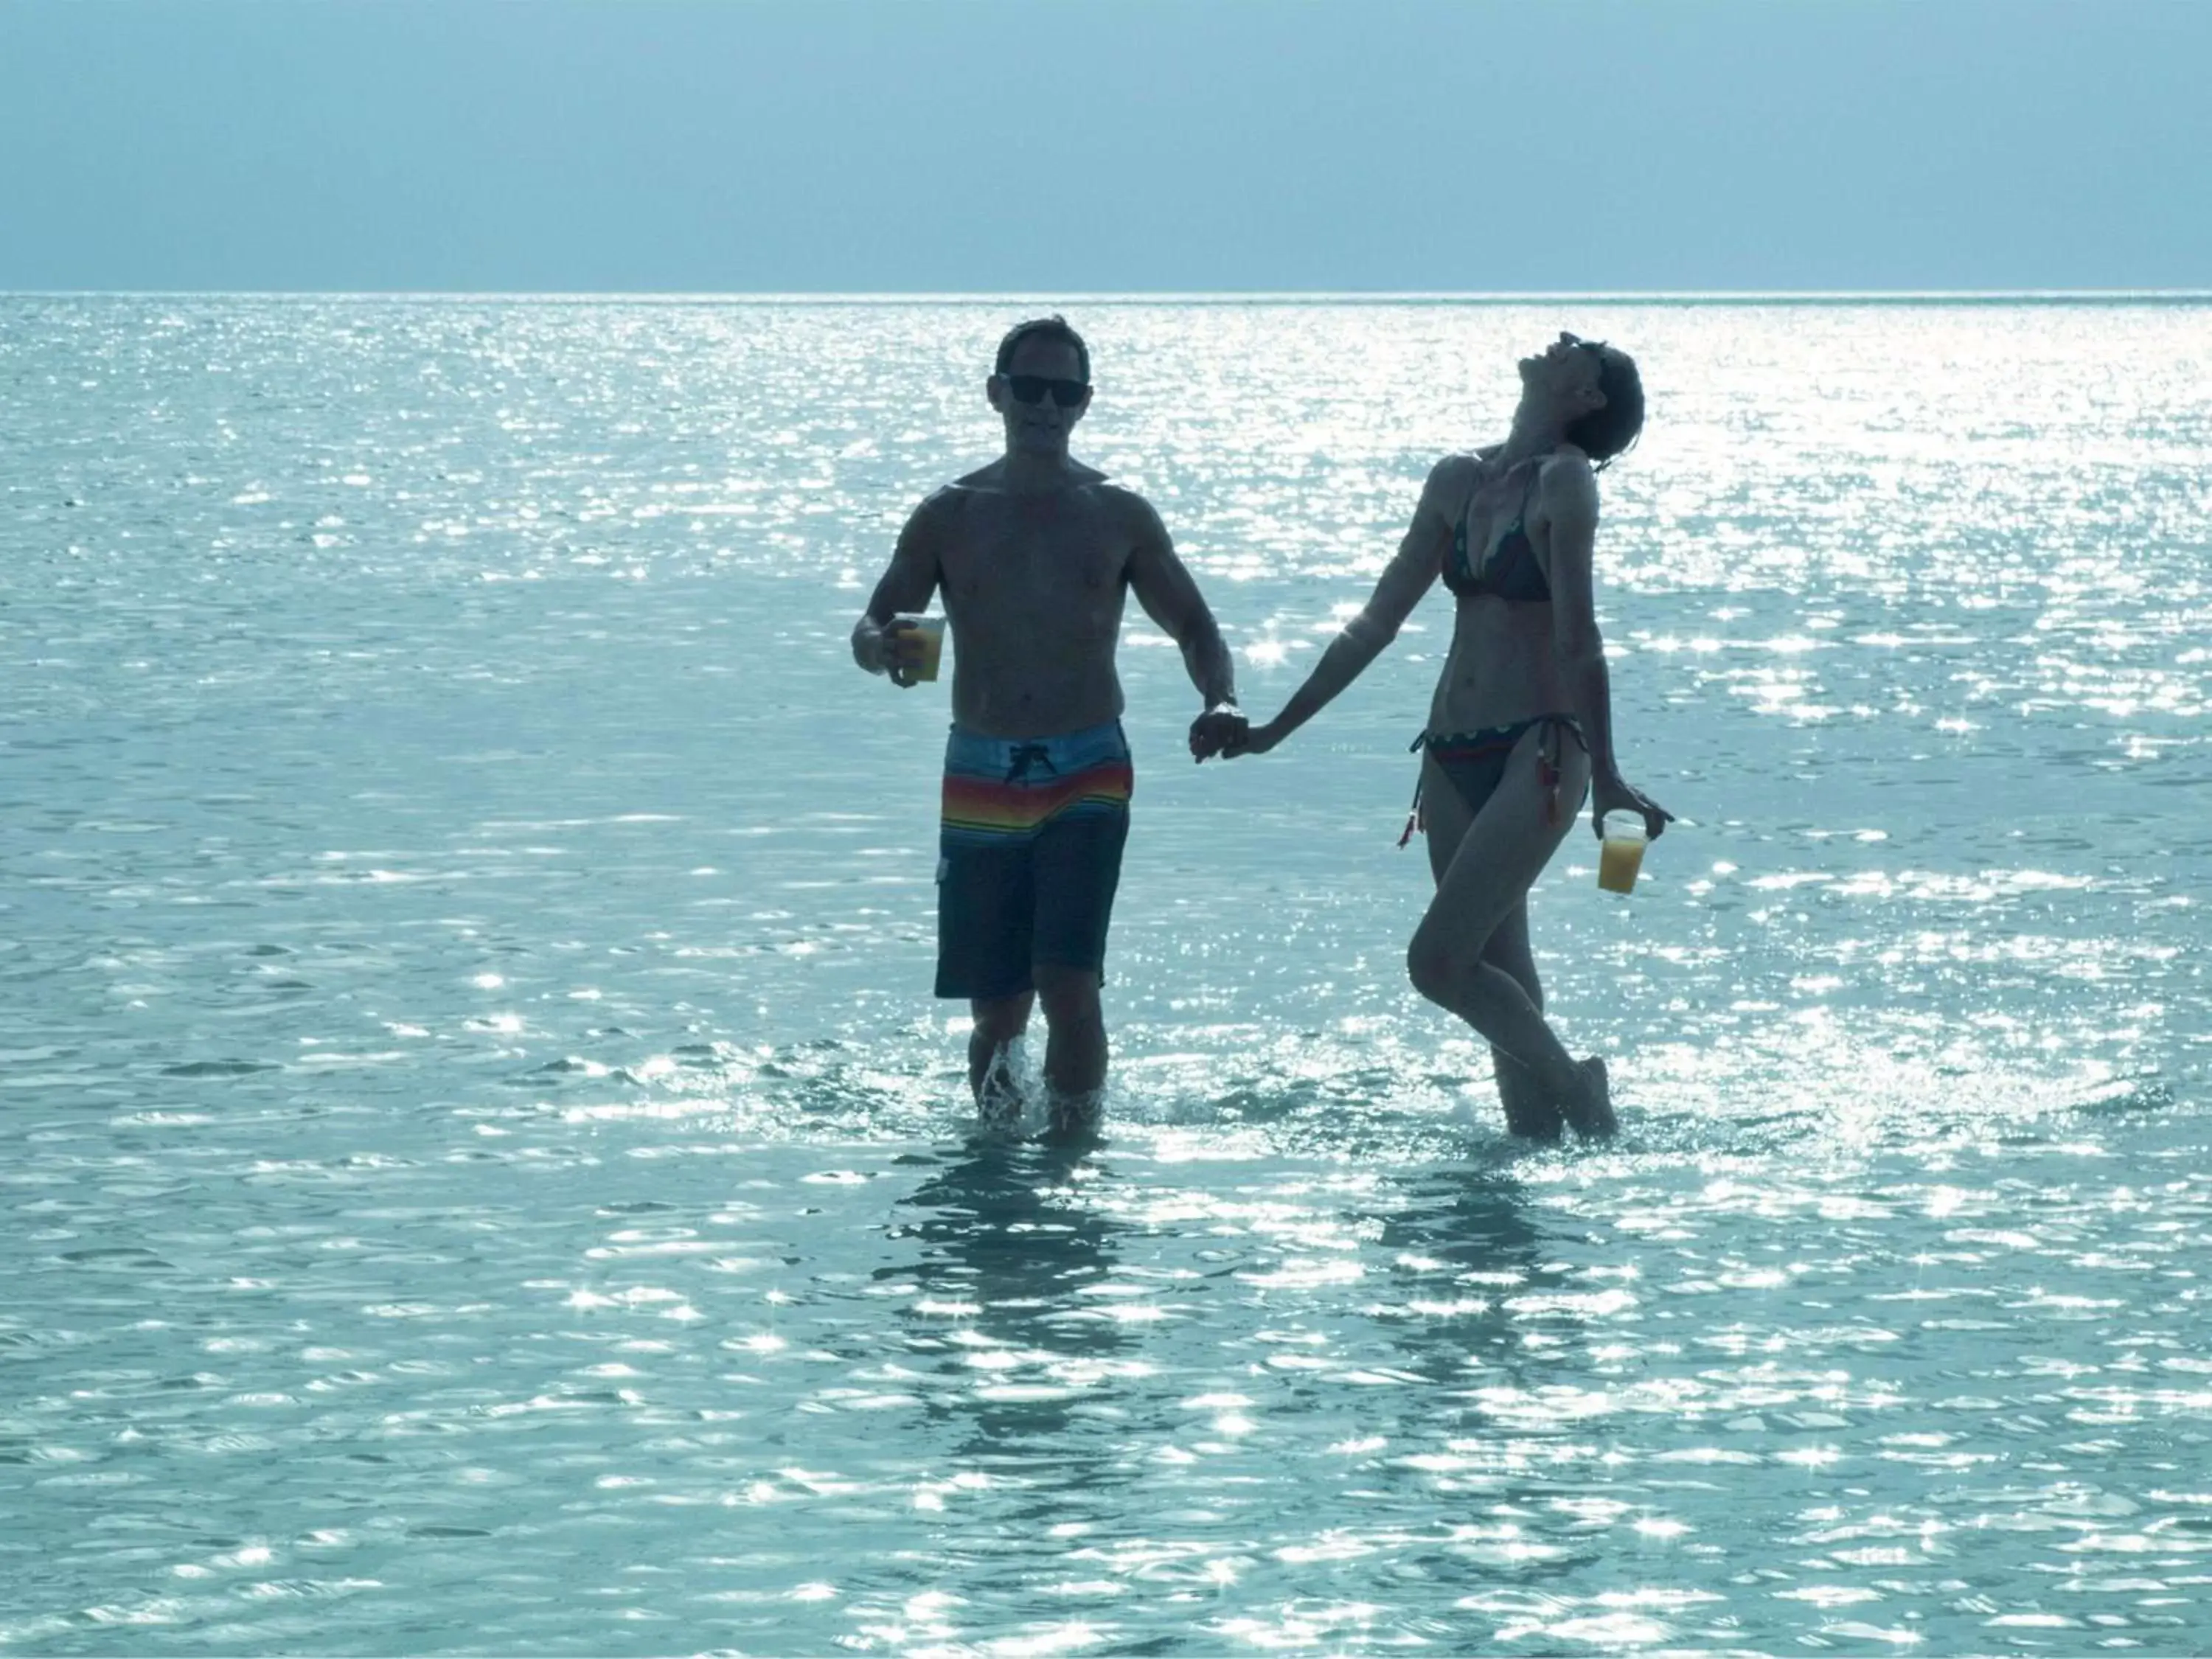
(1228, 740)
(1616, 794)
(1219, 729)
(1258, 740)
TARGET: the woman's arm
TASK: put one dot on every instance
(1404, 580)
(1569, 490)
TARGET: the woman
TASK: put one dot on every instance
(1520, 724)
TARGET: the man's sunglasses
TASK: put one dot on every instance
(1031, 388)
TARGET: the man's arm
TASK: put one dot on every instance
(1570, 496)
(1408, 576)
(1170, 598)
(907, 586)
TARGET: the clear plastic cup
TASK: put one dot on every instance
(1620, 851)
(930, 630)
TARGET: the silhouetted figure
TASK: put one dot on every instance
(1033, 554)
(1522, 721)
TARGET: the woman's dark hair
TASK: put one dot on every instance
(1605, 433)
(1044, 328)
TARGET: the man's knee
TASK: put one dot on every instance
(1001, 1019)
(1070, 996)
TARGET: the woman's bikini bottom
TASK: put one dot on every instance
(1475, 761)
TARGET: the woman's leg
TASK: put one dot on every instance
(1528, 1110)
(1498, 859)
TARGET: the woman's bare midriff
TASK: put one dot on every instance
(1502, 667)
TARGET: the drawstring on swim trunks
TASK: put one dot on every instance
(1026, 755)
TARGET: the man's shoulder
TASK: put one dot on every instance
(988, 477)
(991, 477)
(944, 505)
(1126, 505)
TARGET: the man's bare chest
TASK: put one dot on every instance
(1027, 555)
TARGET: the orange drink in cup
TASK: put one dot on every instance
(1620, 851)
(930, 630)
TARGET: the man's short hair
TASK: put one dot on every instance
(1053, 327)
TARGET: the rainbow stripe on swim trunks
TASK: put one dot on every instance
(1002, 788)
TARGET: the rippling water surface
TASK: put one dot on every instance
(482, 1171)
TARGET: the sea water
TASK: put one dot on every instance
(482, 1170)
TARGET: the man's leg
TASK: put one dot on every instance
(983, 900)
(1075, 1042)
(1079, 866)
(998, 1021)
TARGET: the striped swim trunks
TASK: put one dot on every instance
(1029, 856)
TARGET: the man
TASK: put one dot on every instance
(1033, 554)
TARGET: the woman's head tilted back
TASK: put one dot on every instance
(1597, 388)
(1607, 430)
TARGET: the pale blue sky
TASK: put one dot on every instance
(1086, 145)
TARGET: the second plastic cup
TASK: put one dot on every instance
(930, 630)
(1620, 853)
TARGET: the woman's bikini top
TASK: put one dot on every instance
(1512, 571)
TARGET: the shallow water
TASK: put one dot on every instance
(484, 1172)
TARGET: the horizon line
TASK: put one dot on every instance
(1161, 296)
